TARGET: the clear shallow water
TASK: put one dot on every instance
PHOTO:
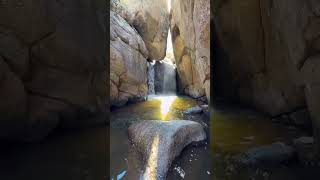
(194, 161)
(235, 130)
(72, 155)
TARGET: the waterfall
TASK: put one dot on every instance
(151, 76)
(165, 78)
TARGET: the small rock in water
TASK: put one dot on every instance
(245, 143)
(249, 138)
(303, 140)
(305, 149)
(194, 110)
(180, 171)
(267, 154)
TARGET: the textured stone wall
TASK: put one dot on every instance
(150, 19)
(190, 29)
(128, 64)
(52, 66)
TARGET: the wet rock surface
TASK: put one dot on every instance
(160, 142)
(273, 154)
(194, 110)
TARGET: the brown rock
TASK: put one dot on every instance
(128, 64)
(13, 104)
(151, 21)
(190, 29)
(15, 53)
(27, 18)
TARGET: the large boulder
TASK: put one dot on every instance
(13, 104)
(190, 29)
(160, 142)
(151, 19)
(128, 64)
(52, 66)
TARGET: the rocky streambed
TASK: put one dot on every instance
(185, 160)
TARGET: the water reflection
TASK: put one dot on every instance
(193, 161)
(235, 130)
(166, 104)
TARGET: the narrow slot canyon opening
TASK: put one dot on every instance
(162, 80)
(155, 90)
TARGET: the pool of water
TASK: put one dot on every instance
(65, 155)
(235, 130)
(193, 163)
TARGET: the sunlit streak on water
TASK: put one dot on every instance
(166, 103)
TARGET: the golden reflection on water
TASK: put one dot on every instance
(236, 131)
(156, 108)
(166, 104)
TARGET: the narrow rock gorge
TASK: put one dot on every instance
(142, 27)
(159, 69)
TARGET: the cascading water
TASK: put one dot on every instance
(165, 78)
(162, 74)
(151, 74)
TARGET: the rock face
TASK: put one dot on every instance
(165, 78)
(269, 54)
(265, 155)
(151, 19)
(128, 64)
(160, 142)
(190, 29)
(52, 66)
(305, 149)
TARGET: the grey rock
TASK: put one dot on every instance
(268, 154)
(194, 110)
(301, 118)
(160, 142)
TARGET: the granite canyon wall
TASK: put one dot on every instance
(52, 66)
(139, 31)
(190, 29)
(268, 56)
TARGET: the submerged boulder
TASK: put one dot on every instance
(194, 110)
(275, 153)
(160, 142)
(304, 147)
